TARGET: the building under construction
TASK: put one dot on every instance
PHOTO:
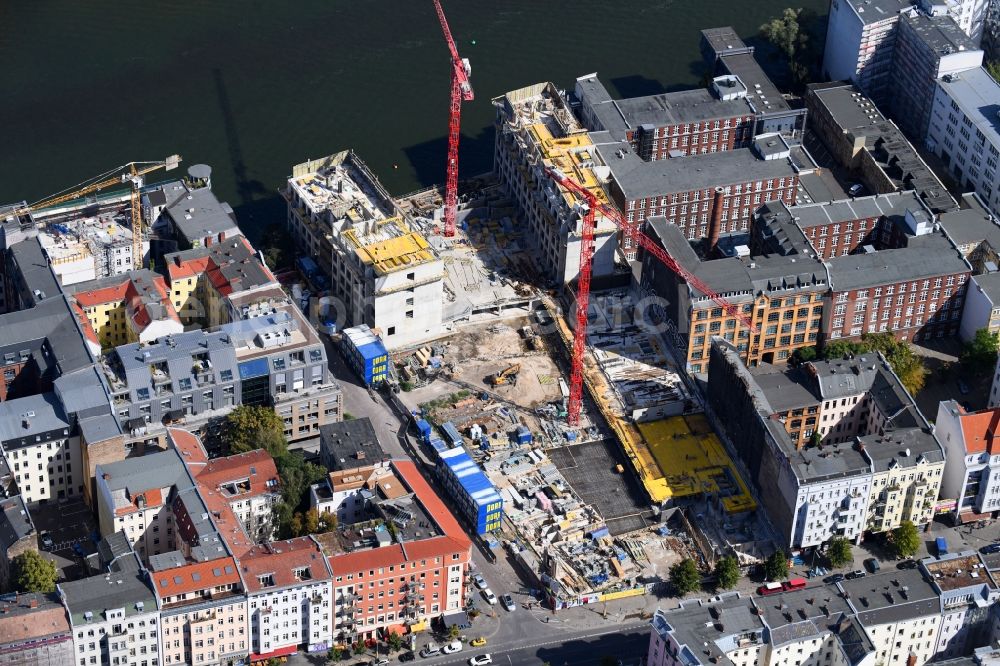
(537, 131)
(385, 274)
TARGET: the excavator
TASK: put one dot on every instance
(506, 376)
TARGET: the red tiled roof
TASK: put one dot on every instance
(281, 559)
(231, 468)
(187, 268)
(196, 576)
(189, 446)
(104, 295)
(230, 527)
(979, 431)
(152, 498)
(81, 316)
(454, 539)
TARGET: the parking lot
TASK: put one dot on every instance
(70, 526)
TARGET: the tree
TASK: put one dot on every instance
(776, 566)
(979, 356)
(727, 572)
(839, 552)
(327, 522)
(250, 427)
(334, 654)
(311, 521)
(276, 245)
(804, 355)
(395, 641)
(295, 526)
(904, 362)
(842, 348)
(453, 632)
(905, 540)
(360, 647)
(33, 573)
(993, 67)
(785, 32)
(684, 576)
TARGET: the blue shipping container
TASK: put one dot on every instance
(438, 445)
(424, 428)
(523, 435)
(472, 490)
(366, 354)
(451, 432)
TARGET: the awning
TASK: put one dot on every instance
(419, 626)
(280, 652)
(456, 619)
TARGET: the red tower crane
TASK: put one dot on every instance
(461, 91)
(583, 281)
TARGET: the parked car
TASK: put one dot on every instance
(381, 661)
(854, 575)
(872, 565)
(907, 564)
(489, 596)
(856, 190)
(478, 641)
(47, 542)
(452, 648)
(508, 603)
(430, 650)
(479, 581)
(992, 548)
(407, 656)
(835, 578)
(481, 660)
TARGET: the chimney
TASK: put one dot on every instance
(715, 224)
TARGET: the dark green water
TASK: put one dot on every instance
(253, 87)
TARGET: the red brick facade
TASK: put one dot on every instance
(917, 310)
(697, 138)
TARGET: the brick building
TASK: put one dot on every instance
(681, 189)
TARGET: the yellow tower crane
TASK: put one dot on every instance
(131, 173)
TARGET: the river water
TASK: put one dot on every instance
(252, 87)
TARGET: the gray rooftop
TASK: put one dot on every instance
(33, 265)
(640, 179)
(24, 419)
(891, 206)
(701, 626)
(873, 11)
(939, 33)
(15, 521)
(349, 444)
(972, 224)
(129, 591)
(737, 58)
(978, 95)
(236, 260)
(51, 335)
(198, 214)
(800, 614)
(891, 596)
(137, 475)
(925, 256)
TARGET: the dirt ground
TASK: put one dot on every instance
(537, 381)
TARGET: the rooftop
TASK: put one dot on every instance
(30, 617)
(972, 224)
(738, 59)
(231, 266)
(350, 444)
(36, 273)
(802, 613)
(241, 476)
(198, 214)
(389, 246)
(932, 254)
(89, 599)
(939, 33)
(707, 630)
(26, 420)
(873, 11)
(15, 521)
(978, 95)
(892, 206)
(342, 187)
(195, 577)
(639, 179)
(958, 571)
(281, 564)
(979, 429)
(892, 596)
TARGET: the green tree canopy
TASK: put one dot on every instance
(907, 365)
(905, 540)
(684, 576)
(30, 572)
(776, 566)
(786, 33)
(979, 355)
(254, 427)
(838, 551)
(727, 572)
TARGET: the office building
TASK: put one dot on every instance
(963, 133)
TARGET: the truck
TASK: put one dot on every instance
(942, 546)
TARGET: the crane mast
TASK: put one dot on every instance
(592, 206)
(461, 91)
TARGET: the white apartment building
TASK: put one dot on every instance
(900, 612)
(382, 272)
(346, 493)
(962, 132)
(42, 448)
(972, 449)
(982, 306)
(860, 40)
(967, 590)
(289, 598)
(249, 483)
(114, 618)
(132, 496)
